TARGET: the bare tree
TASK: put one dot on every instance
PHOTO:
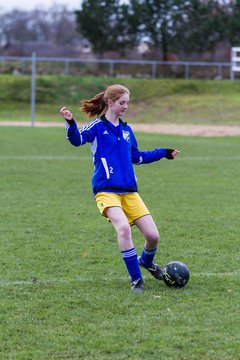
(49, 32)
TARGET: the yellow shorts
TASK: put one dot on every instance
(131, 203)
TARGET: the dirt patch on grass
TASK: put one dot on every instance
(188, 130)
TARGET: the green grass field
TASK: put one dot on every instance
(65, 293)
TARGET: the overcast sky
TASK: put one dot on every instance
(9, 5)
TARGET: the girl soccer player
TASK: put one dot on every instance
(115, 150)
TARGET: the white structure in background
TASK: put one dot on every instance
(235, 61)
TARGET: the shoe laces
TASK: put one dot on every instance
(154, 267)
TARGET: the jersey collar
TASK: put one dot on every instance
(104, 119)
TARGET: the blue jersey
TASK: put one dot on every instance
(114, 150)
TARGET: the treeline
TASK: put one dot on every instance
(49, 32)
(157, 28)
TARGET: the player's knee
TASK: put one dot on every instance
(153, 238)
(124, 231)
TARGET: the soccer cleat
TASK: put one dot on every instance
(137, 285)
(154, 270)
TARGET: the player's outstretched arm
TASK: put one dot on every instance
(66, 113)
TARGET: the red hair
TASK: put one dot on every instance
(99, 103)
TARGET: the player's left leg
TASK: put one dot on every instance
(150, 232)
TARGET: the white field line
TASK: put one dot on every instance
(43, 157)
(208, 158)
(34, 282)
(79, 158)
(104, 278)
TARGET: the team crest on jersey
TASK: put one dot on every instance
(126, 135)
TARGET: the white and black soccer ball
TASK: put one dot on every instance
(176, 274)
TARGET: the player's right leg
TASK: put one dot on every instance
(120, 222)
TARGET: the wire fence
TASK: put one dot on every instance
(116, 68)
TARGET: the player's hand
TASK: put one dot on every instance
(175, 153)
(172, 153)
(66, 113)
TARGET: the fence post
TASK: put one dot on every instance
(186, 71)
(33, 88)
(66, 68)
(154, 70)
(219, 71)
(111, 69)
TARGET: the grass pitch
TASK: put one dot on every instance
(65, 293)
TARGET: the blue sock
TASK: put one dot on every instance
(131, 261)
(147, 257)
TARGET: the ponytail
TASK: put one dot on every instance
(94, 106)
(99, 103)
